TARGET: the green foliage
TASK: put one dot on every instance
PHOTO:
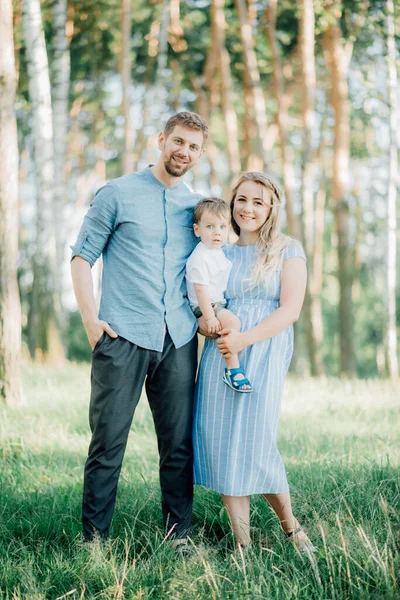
(95, 54)
(76, 342)
(94, 45)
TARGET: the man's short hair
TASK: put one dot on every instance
(191, 120)
(216, 206)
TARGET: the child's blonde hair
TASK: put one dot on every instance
(271, 242)
(216, 206)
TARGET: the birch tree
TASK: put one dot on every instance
(390, 326)
(10, 308)
(44, 310)
(60, 94)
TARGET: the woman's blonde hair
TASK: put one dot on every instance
(271, 242)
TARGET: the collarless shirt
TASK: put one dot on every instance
(144, 230)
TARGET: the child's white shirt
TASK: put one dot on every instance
(210, 267)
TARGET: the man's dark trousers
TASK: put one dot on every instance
(119, 370)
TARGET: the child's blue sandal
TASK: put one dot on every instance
(229, 379)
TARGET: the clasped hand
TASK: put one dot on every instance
(230, 342)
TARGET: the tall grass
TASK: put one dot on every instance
(340, 443)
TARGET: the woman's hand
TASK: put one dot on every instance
(231, 342)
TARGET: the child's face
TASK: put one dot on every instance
(213, 230)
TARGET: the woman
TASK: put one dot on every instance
(235, 434)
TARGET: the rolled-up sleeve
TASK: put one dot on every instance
(99, 223)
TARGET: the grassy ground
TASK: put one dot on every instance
(340, 443)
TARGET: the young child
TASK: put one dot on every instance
(207, 273)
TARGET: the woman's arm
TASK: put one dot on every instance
(293, 287)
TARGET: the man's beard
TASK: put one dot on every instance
(173, 170)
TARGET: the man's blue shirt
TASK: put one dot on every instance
(144, 231)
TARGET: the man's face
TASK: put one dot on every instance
(180, 150)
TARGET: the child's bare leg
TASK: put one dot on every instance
(230, 321)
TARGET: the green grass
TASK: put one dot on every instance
(340, 443)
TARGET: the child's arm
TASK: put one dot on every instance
(203, 298)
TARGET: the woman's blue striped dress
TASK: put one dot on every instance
(235, 434)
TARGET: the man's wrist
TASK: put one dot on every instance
(89, 320)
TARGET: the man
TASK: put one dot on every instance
(142, 224)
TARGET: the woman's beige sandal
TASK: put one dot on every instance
(301, 541)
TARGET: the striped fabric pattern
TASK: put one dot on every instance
(235, 434)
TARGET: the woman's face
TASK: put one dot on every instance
(252, 206)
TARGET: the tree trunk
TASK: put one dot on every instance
(287, 170)
(252, 149)
(254, 79)
(10, 307)
(203, 109)
(228, 109)
(155, 106)
(126, 25)
(60, 96)
(312, 304)
(162, 59)
(336, 61)
(356, 291)
(176, 39)
(44, 313)
(17, 16)
(208, 104)
(390, 325)
(210, 74)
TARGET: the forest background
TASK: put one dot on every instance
(304, 90)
